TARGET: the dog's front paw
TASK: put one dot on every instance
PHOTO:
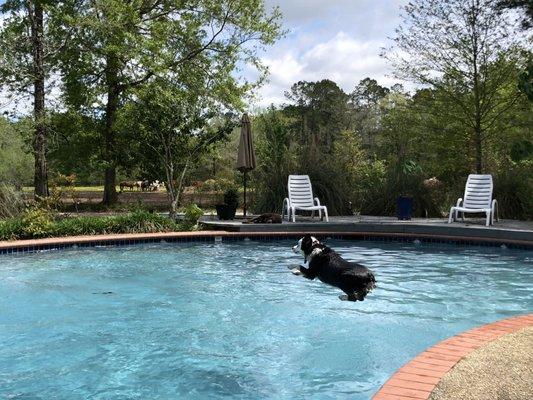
(353, 297)
(296, 271)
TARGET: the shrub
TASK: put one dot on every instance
(208, 186)
(379, 187)
(275, 150)
(212, 185)
(11, 202)
(82, 226)
(11, 229)
(192, 215)
(513, 189)
(142, 221)
(37, 222)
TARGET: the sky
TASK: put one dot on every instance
(327, 39)
(336, 39)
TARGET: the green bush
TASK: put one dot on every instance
(37, 223)
(379, 187)
(212, 185)
(82, 226)
(11, 229)
(192, 215)
(11, 202)
(142, 221)
(274, 149)
(513, 189)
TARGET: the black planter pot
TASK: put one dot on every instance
(404, 207)
(225, 211)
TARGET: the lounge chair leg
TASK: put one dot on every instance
(487, 223)
(293, 214)
(326, 212)
(450, 217)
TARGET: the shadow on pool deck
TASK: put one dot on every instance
(471, 228)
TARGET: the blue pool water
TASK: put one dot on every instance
(228, 320)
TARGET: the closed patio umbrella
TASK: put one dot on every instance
(246, 154)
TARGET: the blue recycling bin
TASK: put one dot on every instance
(404, 207)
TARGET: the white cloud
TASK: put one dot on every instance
(338, 40)
(343, 59)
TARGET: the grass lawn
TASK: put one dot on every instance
(29, 189)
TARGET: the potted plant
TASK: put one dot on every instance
(228, 209)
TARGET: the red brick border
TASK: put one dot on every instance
(71, 240)
(115, 238)
(418, 378)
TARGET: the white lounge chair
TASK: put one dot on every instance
(477, 199)
(301, 198)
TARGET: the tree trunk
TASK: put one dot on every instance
(175, 192)
(40, 181)
(169, 169)
(477, 97)
(175, 203)
(113, 92)
(479, 154)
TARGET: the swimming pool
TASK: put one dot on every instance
(228, 320)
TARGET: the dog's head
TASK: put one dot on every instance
(306, 245)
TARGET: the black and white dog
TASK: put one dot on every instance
(325, 264)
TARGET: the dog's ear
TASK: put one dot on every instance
(307, 244)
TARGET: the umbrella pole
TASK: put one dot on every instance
(244, 208)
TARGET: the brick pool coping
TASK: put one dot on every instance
(419, 377)
(23, 246)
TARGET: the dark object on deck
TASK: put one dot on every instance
(267, 218)
(404, 207)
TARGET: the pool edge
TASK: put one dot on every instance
(418, 378)
(54, 243)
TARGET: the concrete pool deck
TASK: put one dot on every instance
(472, 230)
(419, 378)
(518, 234)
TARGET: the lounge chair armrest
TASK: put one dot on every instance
(287, 203)
(459, 202)
(317, 201)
